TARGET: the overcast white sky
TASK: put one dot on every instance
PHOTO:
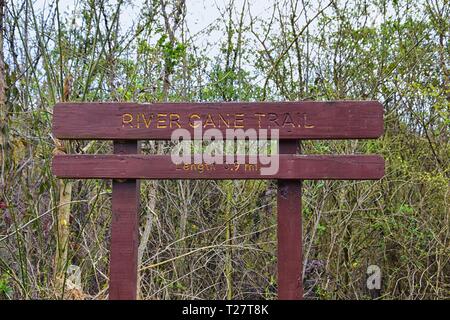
(200, 13)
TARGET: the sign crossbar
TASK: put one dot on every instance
(311, 167)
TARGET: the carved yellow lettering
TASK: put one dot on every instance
(162, 121)
(250, 167)
(127, 119)
(175, 118)
(221, 119)
(288, 120)
(273, 117)
(192, 120)
(307, 126)
(148, 121)
(239, 120)
(209, 121)
(259, 115)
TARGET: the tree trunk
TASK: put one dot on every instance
(63, 214)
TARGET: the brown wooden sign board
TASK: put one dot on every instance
(299, 167)
(294, 120)
(126, 123)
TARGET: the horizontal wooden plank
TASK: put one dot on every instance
(295, 120)
(314, 167)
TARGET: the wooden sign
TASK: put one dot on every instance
(294, 120)
(314, 167)
(126, 123)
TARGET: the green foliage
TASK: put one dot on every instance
(5, 288)
(172, 52)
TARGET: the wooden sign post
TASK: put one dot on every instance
(126, 123)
